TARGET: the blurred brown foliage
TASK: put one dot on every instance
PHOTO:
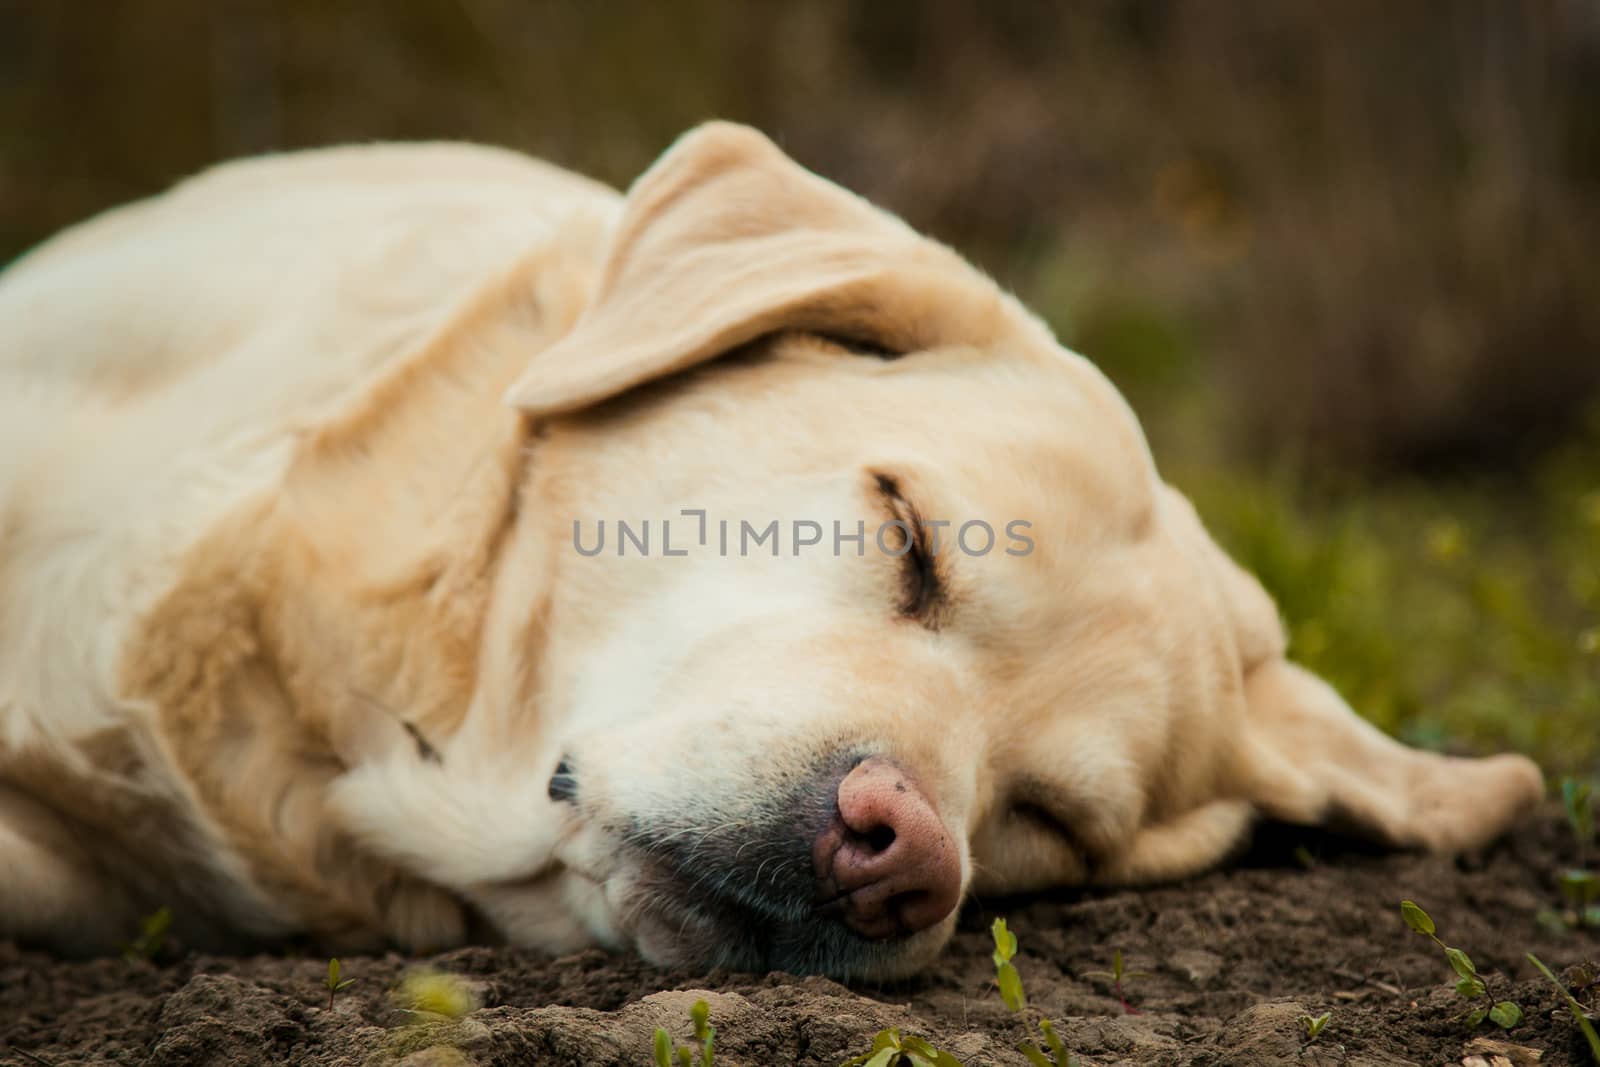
(1369, 228)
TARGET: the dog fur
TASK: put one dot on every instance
(293, 463)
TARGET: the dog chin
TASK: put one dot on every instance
(673, 922)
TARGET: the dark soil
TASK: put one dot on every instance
(1234, 959)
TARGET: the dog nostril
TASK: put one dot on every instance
(563, 786)
(879, 838)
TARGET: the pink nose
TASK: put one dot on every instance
(887, 864)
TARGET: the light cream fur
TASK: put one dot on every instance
(293, 629)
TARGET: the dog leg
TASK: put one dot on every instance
(1183, 845)
(49, 892)
(423, 918)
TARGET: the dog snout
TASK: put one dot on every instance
(888, 865)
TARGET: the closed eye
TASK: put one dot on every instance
(859, 345)
(921, 587)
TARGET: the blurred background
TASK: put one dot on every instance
(1341, 257)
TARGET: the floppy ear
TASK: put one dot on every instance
(1304, 756)
(724, 240)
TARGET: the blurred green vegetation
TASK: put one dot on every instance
(1341, 257)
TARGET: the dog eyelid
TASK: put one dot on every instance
(860, 346)
(924, 587)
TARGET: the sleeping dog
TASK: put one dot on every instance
(421, 544)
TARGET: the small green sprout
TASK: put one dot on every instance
(437, 1005)
(1577, 799)
(437, 994)
(1469, 984)
(1582, 890)
(1315, 1024)
(890, 1049)
(333, 983)
(152, 937)
(1010, 983)
(1573, 1006)
(704, 1034)
(1118, 976)
(1006, 976)
(1059, 1056)
(1579, 885)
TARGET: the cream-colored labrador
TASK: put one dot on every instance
(418, 544)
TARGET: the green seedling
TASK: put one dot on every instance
(152, 937)
(1005, 973)
(1580, 886)
(1118, 976)
(1573, 1006)
(1315, 1024)
(705, 1036)
(436, 1005)
(890, 1049)
(1577, 799)
(1581, 889)
(333, 982)
(436, 995)
(1469, 983)
(1010, 983)
(1059, 1056)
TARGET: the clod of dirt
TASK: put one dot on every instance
(1500, 1054)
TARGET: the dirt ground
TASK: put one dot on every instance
(1299, 925)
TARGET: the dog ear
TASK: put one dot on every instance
(724, 240)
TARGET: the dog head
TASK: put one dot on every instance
(840, 590)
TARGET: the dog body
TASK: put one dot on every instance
(299, 615)
(169, 371)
